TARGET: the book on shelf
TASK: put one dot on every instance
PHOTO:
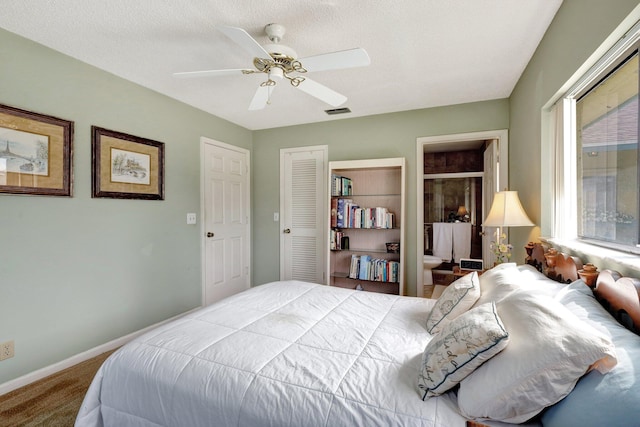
(351, 215)
(347, 186)
(365, 267)
(334, 212)
(342, 212)
(341, 185)
(335, 240)
(354, 267)
(336, 185)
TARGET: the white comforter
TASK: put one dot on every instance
(281, 354)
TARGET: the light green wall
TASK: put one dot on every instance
(578, 29)
(388, 135)
(78, 272)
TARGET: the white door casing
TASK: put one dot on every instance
(490, 185)
(225, 198)
(303, 191)
(500, 174)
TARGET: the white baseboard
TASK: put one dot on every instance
(78, 358)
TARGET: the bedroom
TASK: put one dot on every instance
(73, 285)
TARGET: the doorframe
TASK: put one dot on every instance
(325, 206)
(502, 135)
(203, 266)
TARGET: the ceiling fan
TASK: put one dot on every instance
(278, 62)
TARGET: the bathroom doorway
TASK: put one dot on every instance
(460, 174)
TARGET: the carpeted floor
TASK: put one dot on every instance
(53, 401)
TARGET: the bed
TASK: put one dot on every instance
(293, 353)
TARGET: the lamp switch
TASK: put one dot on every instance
(191, 218)
(276, 216)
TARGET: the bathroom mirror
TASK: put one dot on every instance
(453, 199)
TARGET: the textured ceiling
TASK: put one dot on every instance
(424, 53)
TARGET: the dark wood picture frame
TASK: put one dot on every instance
(35, 153)
(124, 166)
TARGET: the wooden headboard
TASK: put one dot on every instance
(619, 295)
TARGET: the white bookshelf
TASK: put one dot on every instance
(376, 183)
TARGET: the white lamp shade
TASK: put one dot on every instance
(506, 211)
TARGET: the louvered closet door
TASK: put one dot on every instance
(302, 214)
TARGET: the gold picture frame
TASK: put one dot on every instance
(126, 166)
(35, 153)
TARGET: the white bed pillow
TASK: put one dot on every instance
(499, 282)
(459, 348)
(456, 299)
(549, 350)
(600, 400)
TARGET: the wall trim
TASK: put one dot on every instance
(34, 376)
(449, 140)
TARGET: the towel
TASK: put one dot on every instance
(461, 240)
(443, 240)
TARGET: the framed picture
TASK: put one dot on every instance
(35, 153)
(126, 166)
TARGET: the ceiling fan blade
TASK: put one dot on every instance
(261, 98)
(209, 73)
(322, 92)
(350, 58)
(242, 38)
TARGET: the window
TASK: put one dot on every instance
(606, 120)
(595, 146)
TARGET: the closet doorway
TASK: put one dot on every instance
(475, 196)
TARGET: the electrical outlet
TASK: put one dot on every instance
(6, 350)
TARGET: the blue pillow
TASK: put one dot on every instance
(599, 400)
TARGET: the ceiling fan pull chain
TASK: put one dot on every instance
(269, 91)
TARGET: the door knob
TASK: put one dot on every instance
(287, 230)
(209, 234)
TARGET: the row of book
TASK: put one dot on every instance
(363, 267)
(346, 214)
(341, 185)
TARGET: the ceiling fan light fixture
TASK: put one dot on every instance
(276, 72)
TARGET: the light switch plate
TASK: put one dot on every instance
(191, 218)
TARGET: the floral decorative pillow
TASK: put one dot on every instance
(459, 348)
(456, 299)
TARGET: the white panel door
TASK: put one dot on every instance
(226, 220)
(302, 201)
